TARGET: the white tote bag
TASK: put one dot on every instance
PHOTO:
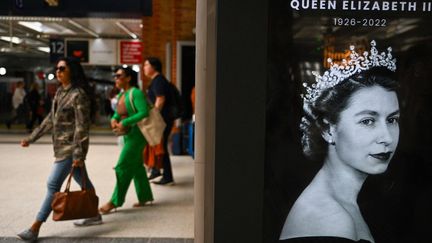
(152, 127)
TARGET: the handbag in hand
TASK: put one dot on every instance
(152, 127)
(69, 205)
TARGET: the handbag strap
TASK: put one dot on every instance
(132, 104)
(131, 100)
(83, 180)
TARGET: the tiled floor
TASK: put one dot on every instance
(23, 174)
(103, 240)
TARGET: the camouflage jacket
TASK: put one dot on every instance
(69, 121)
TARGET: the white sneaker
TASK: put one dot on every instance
(89, 221)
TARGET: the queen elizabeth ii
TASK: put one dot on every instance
(351, 124)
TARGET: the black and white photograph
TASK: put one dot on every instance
(348, 122)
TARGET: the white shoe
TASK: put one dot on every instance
(28, 235)
(89, 221)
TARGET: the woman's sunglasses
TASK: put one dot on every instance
(117, 75)
(60, 68)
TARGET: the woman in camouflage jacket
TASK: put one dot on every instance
(69, 122)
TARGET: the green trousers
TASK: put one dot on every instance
(130, 166)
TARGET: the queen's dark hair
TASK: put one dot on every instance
(329, 105)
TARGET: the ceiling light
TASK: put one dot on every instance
(37, 26)
(136, 68)
(21, 18)
(46, 28)
(133, 35)
(14, 40)
(44, 49)
(79, 26)
(2, 71)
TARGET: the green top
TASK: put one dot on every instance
(140, 104)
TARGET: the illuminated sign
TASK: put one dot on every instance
(131, 52)
(78, 49)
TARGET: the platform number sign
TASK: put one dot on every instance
(57, 49)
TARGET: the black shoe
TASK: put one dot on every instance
(154, 175)
(164, 182)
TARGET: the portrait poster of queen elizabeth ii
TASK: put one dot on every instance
(349, 122)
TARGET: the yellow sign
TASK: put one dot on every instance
(52, 3)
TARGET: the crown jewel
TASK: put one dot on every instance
(339, 72)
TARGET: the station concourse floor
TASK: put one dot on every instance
(23, 175)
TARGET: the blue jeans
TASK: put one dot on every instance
(58, 175)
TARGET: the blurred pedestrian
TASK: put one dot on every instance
(192, 97)
(159, 95)
(114, 100)
(18, 105)
(69, 121)
(34, 101)
(131, 108)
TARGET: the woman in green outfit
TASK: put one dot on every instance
(130, 164)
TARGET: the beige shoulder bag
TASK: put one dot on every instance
(153, 126)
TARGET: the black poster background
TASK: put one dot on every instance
(396, 205)
(78, 49)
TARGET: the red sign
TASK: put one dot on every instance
(131, 52)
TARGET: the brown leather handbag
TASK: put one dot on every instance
(69, 205)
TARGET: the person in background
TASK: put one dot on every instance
(131, 108)
(33, 99)
(193, 99)
(158, 93)
(69, 121)
(114, 101)
(18, 104)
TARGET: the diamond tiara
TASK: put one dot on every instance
(339, 72)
